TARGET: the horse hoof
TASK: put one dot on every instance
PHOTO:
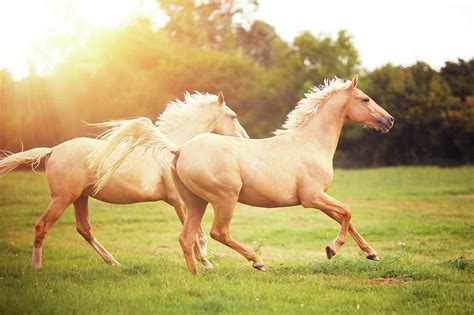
(113, 263)
(207, 265)
(373, 257)
(37, 258)
(36, 266)
(330, 253)
(259, 267)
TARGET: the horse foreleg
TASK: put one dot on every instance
(363, 244)
(83, 226)
(333, 208)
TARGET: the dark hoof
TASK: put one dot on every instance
(259, 267)
(373, 257)
(330, 252)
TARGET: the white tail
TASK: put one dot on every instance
(10, 161)
(127, 135)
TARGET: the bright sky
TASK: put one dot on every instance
(396, 31)
(43, 32)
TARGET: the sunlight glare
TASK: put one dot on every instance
(105, 13)
(38, 34)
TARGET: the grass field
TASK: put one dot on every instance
(419, 219)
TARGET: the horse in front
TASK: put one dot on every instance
(295, 167)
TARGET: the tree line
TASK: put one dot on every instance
(217, 45)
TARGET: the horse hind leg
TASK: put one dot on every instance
(223, 213)
(81, 211)
(195, 207)
(43, 226)
(187, 239)
(200, 246)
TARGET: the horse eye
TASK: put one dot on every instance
(366, 100)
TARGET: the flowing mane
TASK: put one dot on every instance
(309, 105)
(177, 113)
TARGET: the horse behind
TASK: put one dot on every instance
(75, 167)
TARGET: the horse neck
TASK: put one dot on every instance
(185, 132)
(324, 128)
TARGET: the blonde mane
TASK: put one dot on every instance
(124, 137)
(309, 105)
(178, 113)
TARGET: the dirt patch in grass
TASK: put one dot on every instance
(386, 280)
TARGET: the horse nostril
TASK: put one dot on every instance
(391, 119)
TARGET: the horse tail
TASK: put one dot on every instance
(121, 139)
(9, 161)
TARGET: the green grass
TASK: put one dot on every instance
(419, 219)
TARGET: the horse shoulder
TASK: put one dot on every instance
(316, 178)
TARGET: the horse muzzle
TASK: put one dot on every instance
(385, 124)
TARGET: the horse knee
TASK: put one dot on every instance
(308, 203)
(219, 236)
(346, 213)
(214, 235)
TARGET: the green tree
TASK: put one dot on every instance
(297, 68)
(207, 24)
(259, 42)
(422, 103)
(325, 57)
(460, 77)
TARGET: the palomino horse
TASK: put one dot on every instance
(261, 172)
(143, 176)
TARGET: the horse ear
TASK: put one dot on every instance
(220, 98)
(355, 80)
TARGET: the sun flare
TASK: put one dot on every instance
(38, 34)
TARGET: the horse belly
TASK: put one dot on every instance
(119, 191)
(269, 193)
(133, 183)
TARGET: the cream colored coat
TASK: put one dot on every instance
(292, 168)
(141, 176)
